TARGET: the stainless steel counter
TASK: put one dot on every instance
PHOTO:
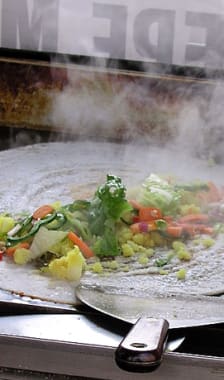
(73, 346)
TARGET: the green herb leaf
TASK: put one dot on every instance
(106, 209)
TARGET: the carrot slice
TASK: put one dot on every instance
(84, 248)
(11, 250)
(147, 214)
(194, 218)
(174, 231)
(42, 211)
(206, 230)
(195, 228)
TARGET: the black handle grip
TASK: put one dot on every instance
(142, 349)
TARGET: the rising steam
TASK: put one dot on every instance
(125, 107)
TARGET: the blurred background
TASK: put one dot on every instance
(142, 71)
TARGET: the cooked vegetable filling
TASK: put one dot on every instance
(159, 225)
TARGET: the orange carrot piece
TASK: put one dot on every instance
(174, 231)
(84, 248)
(42, 211)
(11, 250)
(147, 214)
(206, 230)
(194, 218)
(196, 228)
(190, 228)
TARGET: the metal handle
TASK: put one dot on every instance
(142, 349)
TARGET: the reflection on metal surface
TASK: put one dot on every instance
(87, 350)
(179, 310)
(12, 303)
(64, 328)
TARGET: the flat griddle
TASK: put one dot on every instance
(44, 173)
(62, 171)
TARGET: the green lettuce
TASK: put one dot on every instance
(157, 192)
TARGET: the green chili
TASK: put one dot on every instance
(12, 240)
(58, 222)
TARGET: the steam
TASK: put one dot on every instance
(130, 107)
(189, 130)
(111, 106)
(181, 117)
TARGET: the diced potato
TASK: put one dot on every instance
(149, 252)
(6, 224)
(143, 260)
(137, 248)
(113, 265)
(124, 235)
(196, 242)
(148, 242)
(127, 250)
(178, 245)
(182, 254)
(158, 240)
(208, 242)
(69, 267)
(139, 239)
(181, 274)
(97, 267)
(22, 256)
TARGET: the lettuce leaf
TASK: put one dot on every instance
(157, 192)
(44, 240)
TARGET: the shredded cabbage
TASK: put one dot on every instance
(44, 240)
(157, 192)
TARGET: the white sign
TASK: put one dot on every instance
(189, 33)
